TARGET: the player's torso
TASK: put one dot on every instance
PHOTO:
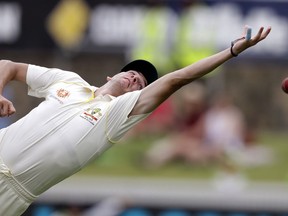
(50, 136)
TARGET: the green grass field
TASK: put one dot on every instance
(126, 159)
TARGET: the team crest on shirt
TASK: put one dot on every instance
(91, 115)
(62, 93)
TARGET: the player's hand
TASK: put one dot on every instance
(6, 107)
(242, 43)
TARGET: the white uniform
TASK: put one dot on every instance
(69, 129)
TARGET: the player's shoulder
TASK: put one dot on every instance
(52, 71)
(48, 75)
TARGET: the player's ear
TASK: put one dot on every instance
(108, 78)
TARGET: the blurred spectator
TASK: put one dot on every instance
(224, 125)
(226, 132)
(186, 136)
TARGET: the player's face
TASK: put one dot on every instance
(128, 81)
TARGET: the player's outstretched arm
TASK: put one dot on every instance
(10, 71)
(155, 93)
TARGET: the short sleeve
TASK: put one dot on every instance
(117, 120)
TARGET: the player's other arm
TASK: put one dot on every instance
(10, 71)
(157, 92)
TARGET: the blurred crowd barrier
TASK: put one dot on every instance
(46, 210)
(147, 197)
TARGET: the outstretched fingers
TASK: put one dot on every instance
(261, 35)
(266, 33)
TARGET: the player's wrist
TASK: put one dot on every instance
(234, 50)
(233, 53)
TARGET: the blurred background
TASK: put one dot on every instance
(217, 147)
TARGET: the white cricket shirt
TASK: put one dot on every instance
(69, 129)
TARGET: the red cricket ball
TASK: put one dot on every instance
(285, 85)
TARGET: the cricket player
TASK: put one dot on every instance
(77, 121)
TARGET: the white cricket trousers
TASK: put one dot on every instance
(14, 199)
